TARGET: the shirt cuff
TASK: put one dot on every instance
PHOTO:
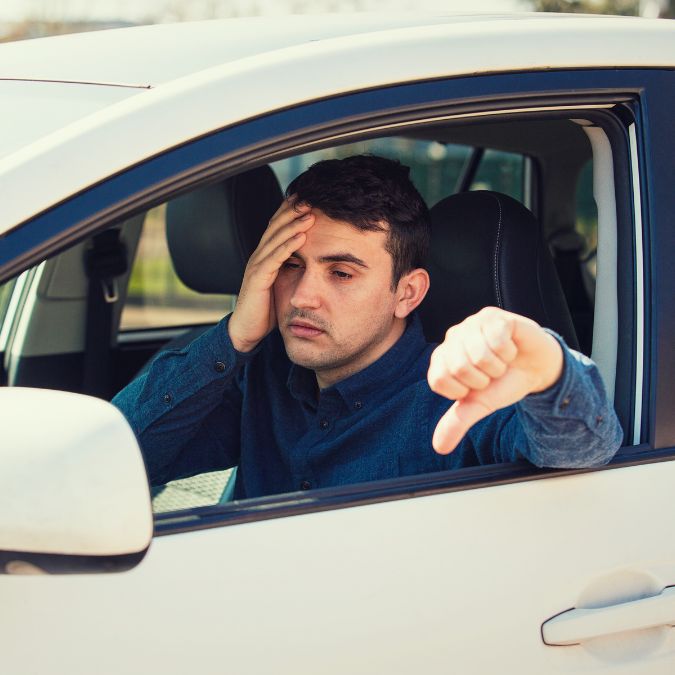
(223, 346)
(577, 395)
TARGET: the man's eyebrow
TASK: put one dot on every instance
(343, 257)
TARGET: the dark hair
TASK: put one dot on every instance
(371, 193)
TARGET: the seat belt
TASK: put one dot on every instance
(104, 262)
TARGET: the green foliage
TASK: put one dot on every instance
(616, 7)
(5, 294)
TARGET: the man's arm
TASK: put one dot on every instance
(494, 359)
(186, 409)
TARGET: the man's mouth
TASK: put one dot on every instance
(304, 329)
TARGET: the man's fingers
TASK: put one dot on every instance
(282, 235)
(499, 337)
(266, 268)
(481, 355)
(441, 381)
(461, 369)
(283, 251)
(452, 427)
(288, 212)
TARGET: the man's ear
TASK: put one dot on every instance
(410, 291)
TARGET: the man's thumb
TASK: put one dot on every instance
(452, 427)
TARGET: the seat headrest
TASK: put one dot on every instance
(488, 249)
(213, 230)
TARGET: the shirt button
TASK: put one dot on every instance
(219, 366)
(166, 398)
(305, 485)
(565, 402)
(358, 405)
(324, 424)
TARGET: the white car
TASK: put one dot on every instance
(109, 137)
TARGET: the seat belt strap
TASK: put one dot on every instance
(104, 262)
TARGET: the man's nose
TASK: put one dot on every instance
(306, 291)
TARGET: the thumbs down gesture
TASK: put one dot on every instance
(492, 359)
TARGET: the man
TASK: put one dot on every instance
(321, 376)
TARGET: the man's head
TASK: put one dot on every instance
(343, 297)
(372, 194)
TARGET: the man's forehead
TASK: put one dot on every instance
(328, 233)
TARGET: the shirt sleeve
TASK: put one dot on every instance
(570, 425)
(185, 410)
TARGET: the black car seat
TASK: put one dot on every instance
(487, 249)
(212, 231)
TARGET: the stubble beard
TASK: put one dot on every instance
(339, 360)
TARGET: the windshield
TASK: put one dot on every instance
(32, 110)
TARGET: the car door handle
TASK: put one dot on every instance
(577, 625)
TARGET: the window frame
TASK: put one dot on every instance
(269, 137)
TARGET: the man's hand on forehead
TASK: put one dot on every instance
(254, 316)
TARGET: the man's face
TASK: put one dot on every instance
(334, 300)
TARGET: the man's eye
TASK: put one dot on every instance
(290, 265)
(342, 275)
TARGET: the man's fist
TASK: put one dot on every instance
(489, 361)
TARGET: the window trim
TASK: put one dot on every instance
(376, 492)
(640, 285)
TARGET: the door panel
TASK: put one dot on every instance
(458, 582)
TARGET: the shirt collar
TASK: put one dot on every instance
(359, 387)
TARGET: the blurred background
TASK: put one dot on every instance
(22, 19)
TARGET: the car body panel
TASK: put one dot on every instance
(460, 581)
(25, 102)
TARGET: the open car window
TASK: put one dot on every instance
(444, 159)
(438, 169)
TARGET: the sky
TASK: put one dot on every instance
(168, 10)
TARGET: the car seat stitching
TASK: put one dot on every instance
(496, 258)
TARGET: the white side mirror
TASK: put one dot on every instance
(74, 495)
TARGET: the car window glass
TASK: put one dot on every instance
(502, 172)
(156, 297)
(435, 168)
(587, 216)
(5, 295)
(205, 489)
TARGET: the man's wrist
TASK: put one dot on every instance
(554, 367)
(241, 346)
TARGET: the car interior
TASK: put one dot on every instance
(519, 220)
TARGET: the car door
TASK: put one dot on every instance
(506, 568)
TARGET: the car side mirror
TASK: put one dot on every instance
(74, 494)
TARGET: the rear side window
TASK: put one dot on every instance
(5, 295)
(501, 172)
(437, 169)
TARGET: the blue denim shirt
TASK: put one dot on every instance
(209, 407)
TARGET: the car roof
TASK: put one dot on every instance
(145, 56)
